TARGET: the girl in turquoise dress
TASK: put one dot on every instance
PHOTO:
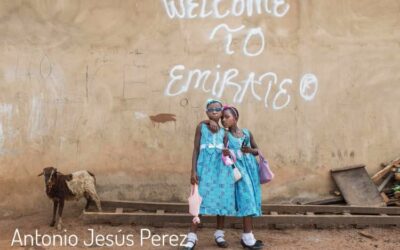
(248, 188)
(215, 180)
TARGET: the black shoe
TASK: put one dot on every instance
(258, 245)
(222, 244)
(190, 248)
(260, 242)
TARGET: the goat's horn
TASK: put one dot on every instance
(40, 174)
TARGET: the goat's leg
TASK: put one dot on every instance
(97, 201)
(93, 196)
(60, 210)
(88, 200)
(55, 205)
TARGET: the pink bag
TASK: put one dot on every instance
(194, 203)
(264, 170)
(229, 160)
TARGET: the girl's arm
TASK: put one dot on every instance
(253, 144)
(253, 149)
(196, 149)
(211, 124)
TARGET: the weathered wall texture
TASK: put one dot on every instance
(95, 85)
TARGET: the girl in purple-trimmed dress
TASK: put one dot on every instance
(248, 188)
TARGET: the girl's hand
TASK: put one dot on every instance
(213, 126)
(194, 179)
(226, 152)
(247, 150)
(255, 151)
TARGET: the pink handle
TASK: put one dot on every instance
(229, 159)
(194, 188)
(196, 220)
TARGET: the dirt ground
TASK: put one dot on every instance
(297, 238)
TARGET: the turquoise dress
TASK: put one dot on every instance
(248, 188)
(216, 181)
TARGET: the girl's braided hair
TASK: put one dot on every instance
(233, 111)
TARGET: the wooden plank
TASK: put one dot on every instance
(280, 226)
(393, 202)
(146, 206)
(267, 208)
(382, 173)
(385, 181)
(119, 210)
(385, 197)
(356, 187)
(151, 218)
(293, 209)
(327, 201)
(366, 235)
(392, 162)
(330, 219)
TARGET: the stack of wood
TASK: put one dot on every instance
(386, 179)
(386, 193)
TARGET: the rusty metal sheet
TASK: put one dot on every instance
(357, 187)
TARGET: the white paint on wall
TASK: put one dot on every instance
(283, 94)
(2, 138)
(6, 130)
(219, 9)
(140, 115)
(6, 110)
(253, 33)
(253, 44)
(308, 87)
(265, 87)
(228, 38)
(56, 81)
(35, 117)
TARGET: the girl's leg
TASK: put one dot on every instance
(248, 238)
(191, 239)
(220, 222)
(219, 234)
(247, 224)
(193, 228)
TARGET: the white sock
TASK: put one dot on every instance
(191, 238)
(249, 239)
(219, 235)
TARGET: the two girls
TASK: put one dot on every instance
(221, 195)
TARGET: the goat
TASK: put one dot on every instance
(60, 187)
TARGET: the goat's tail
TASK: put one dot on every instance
(94, 177)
